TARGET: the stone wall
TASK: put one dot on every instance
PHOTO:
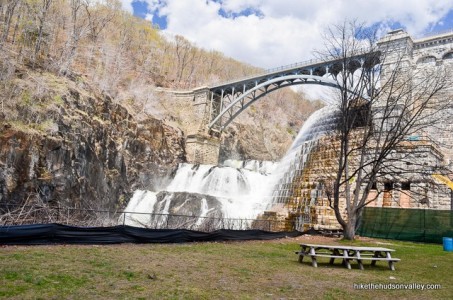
(202, 149)
(423, 58)
(200, 146)
(431, 54)
(414, 187)
(301, 192)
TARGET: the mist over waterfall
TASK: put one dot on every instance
(205, 191)
(240, 191)
(235, 190)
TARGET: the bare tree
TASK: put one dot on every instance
(186, 55)
(381, 102)
(42, 16)
(78, 29)
(10, 7)
(99, 17)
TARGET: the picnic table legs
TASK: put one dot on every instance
(345, 255)
(391, 264)
(313, 257)
(336, 253)
(359, 261)
(377, 254)
(346, 259)
(302, 254)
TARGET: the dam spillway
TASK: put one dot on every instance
(235, 190)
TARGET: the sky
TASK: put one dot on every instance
(273, 33)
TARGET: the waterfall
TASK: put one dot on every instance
(264, 167)
(293, 163)
(206, 191)
(204, 211)
(221, 182)
(141, 203)
(237, 189)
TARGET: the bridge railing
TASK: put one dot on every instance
(311, 62)
(307, 63)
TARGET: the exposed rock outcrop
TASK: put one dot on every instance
(85, 151)
(253, 142)
(189, 204)
(188, 210)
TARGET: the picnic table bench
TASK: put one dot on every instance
(347, 254)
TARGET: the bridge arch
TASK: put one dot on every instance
(426, 59)
(448, 55)
(236, 103)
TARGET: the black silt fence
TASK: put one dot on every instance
(11, 215)
(44, 234)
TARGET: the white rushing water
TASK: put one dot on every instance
(292, 164)
(141, 203)
(240, 189)
(242, 193)
(263, 167)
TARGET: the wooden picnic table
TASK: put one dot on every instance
(347, 254)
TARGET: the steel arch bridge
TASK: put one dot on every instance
(229, 99)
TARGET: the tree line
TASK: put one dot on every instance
(111, 47)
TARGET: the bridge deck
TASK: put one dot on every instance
(296, 68)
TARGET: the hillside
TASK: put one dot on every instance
(80, 117)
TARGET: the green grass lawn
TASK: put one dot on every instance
(233, 270)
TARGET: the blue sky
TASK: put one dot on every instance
(270, 33)
(445, 23)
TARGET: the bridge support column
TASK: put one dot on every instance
(202, 148)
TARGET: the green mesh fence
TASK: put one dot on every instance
(418, 225)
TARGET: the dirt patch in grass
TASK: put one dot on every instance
(222, 270)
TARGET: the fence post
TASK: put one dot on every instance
(424, 225)
(451, 200)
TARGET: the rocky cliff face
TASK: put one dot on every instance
(253, 142)
(73, 148)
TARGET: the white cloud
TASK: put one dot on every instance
(149, 17)
(127, 5)
(287, 31)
